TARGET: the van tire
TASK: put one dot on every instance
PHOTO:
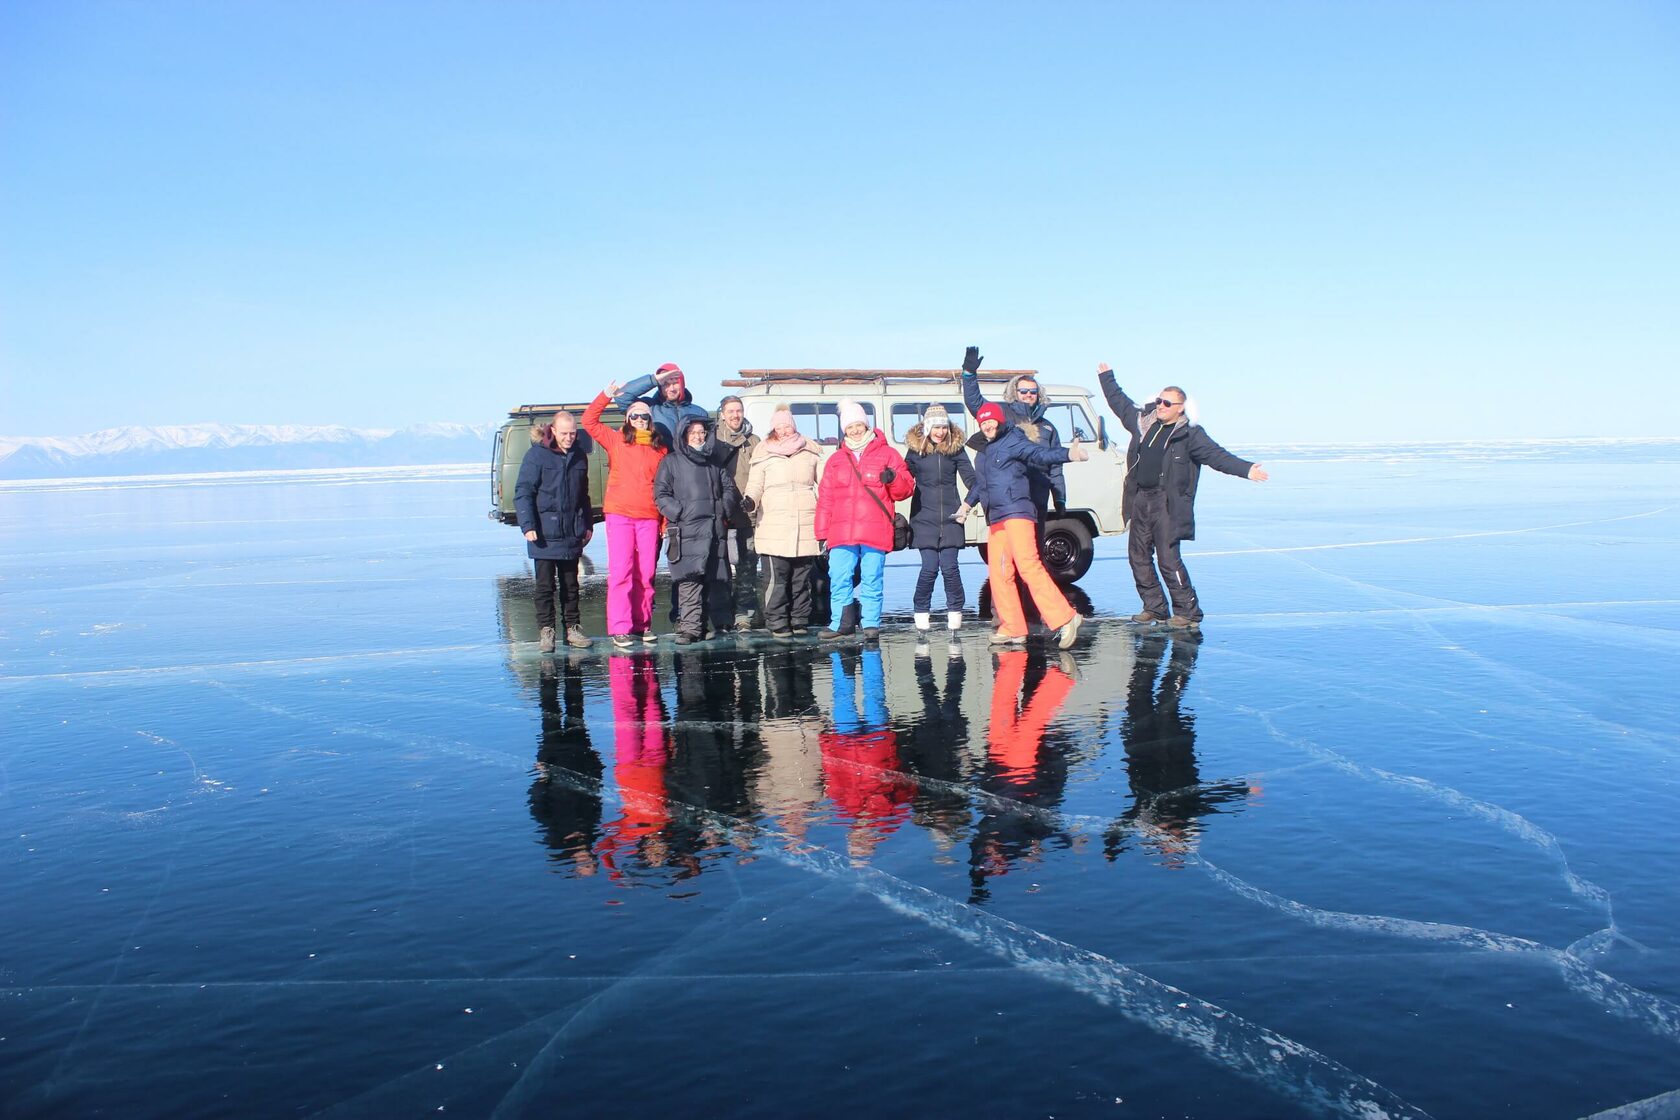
(1067, 549)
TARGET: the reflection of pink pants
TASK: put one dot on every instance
(632, 554)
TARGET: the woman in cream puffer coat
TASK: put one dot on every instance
(781, 498)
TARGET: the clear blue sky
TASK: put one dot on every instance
(1328, 221)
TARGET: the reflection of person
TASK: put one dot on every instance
(640, 753)
(734, 447)
(932, 747)
(788, 784)
(860, 757)
(570, 816)
(697, 499)
(632, 517)
(860, 483)
(781, 495)
(666, 396)
(1024, 403)
(938, 516)
(552, 500)
(1163, 465)
(1023, 765)
(1003, 487)
(1159, 734)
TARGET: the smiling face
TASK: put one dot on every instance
(672, 389)
(782, 424)
(1026, 391)
(732, 415)
(1169, 406)
(856, 429)
(640, 417)
(989, 428)
(936, 433)
(696, 434)
(565, 431)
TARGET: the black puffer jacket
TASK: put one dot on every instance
(936, 468)
(698, 499)
(1189, 449)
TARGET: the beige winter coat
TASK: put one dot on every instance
(784, 488)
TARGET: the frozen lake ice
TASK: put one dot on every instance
(298, 822)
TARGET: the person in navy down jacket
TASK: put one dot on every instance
(860, 483)
(1004, 487)
(938, 516)
(551, 498)
(1163, 465)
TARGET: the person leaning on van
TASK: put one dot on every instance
(860, 483)
(1004, 488)
(633, 523)
(781, 498)
(552, 498)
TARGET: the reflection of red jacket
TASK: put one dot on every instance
(1015, 737)
(860, 773)
(845, 512)
(640, 751)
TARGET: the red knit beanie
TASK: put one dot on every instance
(991, 410)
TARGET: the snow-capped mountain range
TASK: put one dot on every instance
(193, 448)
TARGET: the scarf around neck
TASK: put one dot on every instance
(856, 446)
(789, 446)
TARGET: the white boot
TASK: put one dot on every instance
(953, 620)
(923, 620)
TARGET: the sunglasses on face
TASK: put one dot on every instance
(1163, 402)
(1026, 392)
(644, 417)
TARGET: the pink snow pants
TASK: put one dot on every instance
(632, 555)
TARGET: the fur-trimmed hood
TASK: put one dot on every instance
(1044, 402)
(916, 440)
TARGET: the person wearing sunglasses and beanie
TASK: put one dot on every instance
(1163, 465)
(632, 517)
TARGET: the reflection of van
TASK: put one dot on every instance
(893, 400)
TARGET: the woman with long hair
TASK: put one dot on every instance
(938, 517)
(632, 517)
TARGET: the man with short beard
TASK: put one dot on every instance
(734, 443)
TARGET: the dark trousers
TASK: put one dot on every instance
(787, 591)
(1151, 544)
(693, 598)
(743, 567)
(942, 562)
(566, 573)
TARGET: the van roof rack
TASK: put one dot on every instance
(751, 377)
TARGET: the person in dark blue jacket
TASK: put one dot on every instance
(1002, 464)
(552, 500)
(667, 395)
(1024, 403)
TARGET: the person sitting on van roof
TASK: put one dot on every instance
(1023, 406)
(666, 393)
(1003, 487)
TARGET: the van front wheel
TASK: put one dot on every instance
(1067, 549)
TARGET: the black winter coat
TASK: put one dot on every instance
(935, 501)
(1189, 449)
(552, 497)
(698, 500)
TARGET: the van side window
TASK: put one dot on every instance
(820, 423)
(1071, 422)
(908, 415)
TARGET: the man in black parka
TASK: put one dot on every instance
(1163, 465)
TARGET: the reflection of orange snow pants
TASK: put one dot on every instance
(1015, 736)
(1013, 547)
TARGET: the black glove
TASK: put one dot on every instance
(888, 474)
(1059, 502)
(971, 360)
(747, 504)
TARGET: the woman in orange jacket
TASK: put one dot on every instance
(633, 521)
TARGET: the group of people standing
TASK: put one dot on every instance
(725, 502)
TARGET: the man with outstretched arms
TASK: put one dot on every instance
(1023, 407)
(1163, 465)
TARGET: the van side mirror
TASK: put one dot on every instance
(1102, 434)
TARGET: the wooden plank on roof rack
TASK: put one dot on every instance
(751, 377)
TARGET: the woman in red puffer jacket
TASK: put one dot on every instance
(860, 483)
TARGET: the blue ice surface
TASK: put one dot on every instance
(298, 821)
